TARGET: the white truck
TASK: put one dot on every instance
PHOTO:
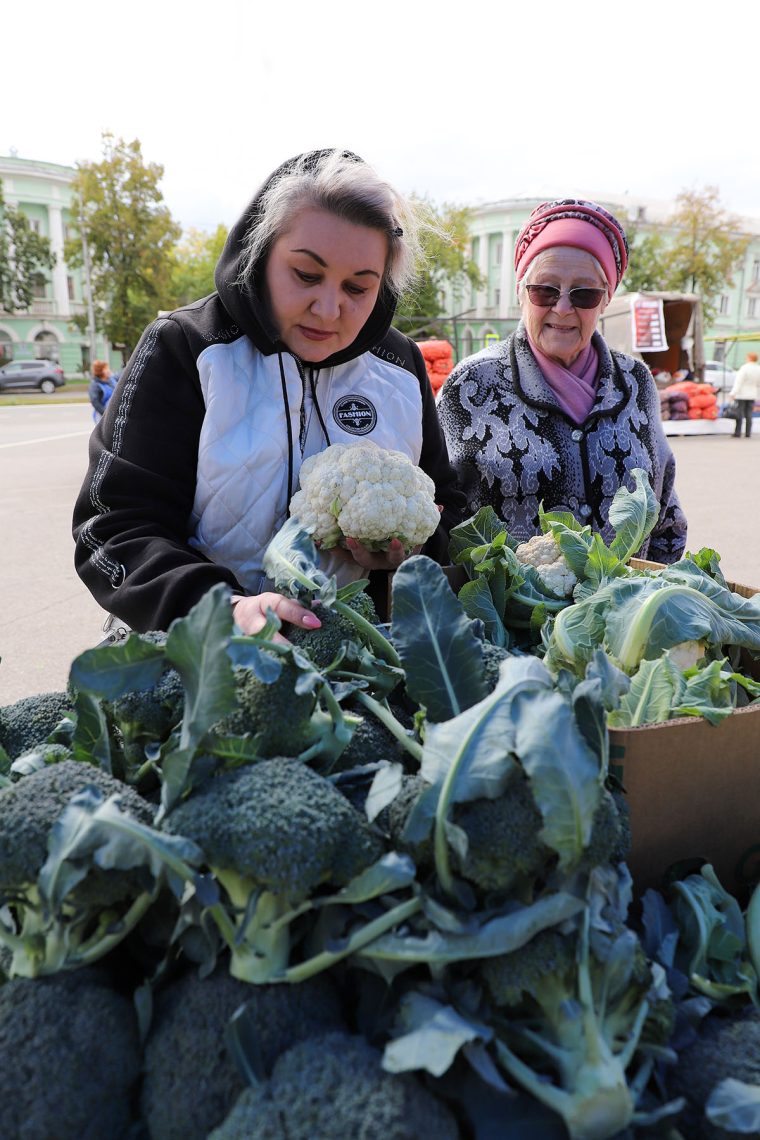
(666, 331)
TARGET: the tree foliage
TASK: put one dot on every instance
(703, 248)
(194, 263)
(447, 266)
(24, 254)
(131, 237)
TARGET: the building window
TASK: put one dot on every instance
(497, 297)
(39, 287)
(6, 348)
(723, 305)
(753, 307)
(756, 271)
(47, 346)
(497, 252)
(34, 224)
(71, 289)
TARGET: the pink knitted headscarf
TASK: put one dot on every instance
(580, 224)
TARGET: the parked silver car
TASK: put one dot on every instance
(43, 374)
(720, 376)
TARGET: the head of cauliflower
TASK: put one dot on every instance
(365, 492)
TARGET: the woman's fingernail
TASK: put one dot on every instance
(311, 621)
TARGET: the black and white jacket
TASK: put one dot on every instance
(514, 448)
(193, 466)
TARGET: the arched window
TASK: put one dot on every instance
(6, 347)
(46, 347)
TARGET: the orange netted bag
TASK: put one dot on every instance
(436, 350)
(694, 413)
(710, 413)
(702, 400)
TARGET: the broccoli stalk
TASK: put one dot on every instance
(61, 908)
(272, 834)
(588, 1028)
(386, 717)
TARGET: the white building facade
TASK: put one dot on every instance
(42, 191)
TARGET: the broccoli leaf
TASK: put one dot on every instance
(735, 1106)
(435, 641)
(565, 775)
(633, 514)
(91, 741)
(111, 670)
(197, 647)
(481, 530)
(434, 1035)
(495, 936)
(292, 562)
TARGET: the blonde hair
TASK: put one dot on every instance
(99, 369)
(341, 184)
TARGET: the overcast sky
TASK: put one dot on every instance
(466, 102)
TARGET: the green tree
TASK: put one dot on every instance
(447, 267)
(645, 263)
(707, 247)
(24, 254)
(131, 238)
(194, 263)
(699, 255)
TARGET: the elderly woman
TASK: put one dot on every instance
(552, 416)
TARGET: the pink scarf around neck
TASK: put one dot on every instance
(573, 387)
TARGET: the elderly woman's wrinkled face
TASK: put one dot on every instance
(562, 331)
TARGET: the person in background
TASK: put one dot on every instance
(101, 387)
(194, 464)
(552, 415)
(745, 391)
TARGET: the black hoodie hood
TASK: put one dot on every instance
(247, 305)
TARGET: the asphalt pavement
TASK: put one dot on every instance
(49, 617)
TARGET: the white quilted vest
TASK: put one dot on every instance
(241, 489)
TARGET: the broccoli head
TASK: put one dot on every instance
(610, 839)
(370, 742)
(191, 1079)
(283, 717)
(493, 655)
(31, 720)
(75, 1052)
(324, 645)
(333, 1087)
(272, 833)
(727, 1045)
(504, 851)
(145, 718)
(42, 940)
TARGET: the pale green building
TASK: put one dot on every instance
(492, 312)
(42, 190)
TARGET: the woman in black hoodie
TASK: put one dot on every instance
(193, 466)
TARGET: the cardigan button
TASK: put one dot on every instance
(584, 511)
(576, 436)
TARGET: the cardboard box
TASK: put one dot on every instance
(694, 791)
(693, 788)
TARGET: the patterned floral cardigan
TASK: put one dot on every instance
(514, 448)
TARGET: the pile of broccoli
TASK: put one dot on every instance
(252, 889)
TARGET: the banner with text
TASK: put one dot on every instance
(648, 318)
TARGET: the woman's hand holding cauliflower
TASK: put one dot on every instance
(375, 503)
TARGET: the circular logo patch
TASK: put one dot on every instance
(355, 414)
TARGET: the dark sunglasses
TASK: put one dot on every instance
(546, 296)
